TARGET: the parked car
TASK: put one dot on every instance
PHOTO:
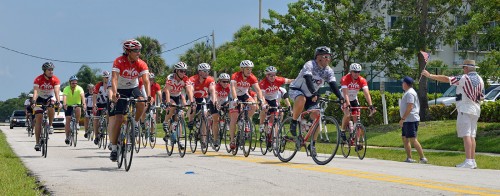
(447, 98)
(493, 95)
(18, 119)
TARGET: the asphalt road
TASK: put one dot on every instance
(86, 170)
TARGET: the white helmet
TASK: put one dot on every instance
(204, 67)
(151, 75)
(271, 69)
(355, 67)
(180, 65)
(224, 76)
(30, 95)
(246, 63)
(105, 74)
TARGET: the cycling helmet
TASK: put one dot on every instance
(105, 74)
(355, 67)
(322, 50)
(132, 44)
(246, 63)
(224, 76)
(90, 86)
(73, 77)
(180, 65)
(30, 95)
(151, 75)
(204, 67)
(271, 69)
(48, 65)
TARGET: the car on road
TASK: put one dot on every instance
(18, 119)
(59, 119)
(493, 95)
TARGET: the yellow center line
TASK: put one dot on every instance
(457, 188)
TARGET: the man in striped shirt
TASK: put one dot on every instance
(470, 91)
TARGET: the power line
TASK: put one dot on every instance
(89, 62)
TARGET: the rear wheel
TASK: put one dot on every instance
(285, 142)
(324, 151)
(360, 142)
(137, 136)
(152, 134)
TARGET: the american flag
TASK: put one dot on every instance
(473, 87)
(426, 56)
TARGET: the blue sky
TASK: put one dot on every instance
(92, 31)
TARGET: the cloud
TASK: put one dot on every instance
(5, 72)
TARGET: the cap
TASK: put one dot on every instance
(407, 80)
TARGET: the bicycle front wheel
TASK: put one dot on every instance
(137, 136)
(263, 140)
(324, 151)
(75, 133)
(226, 134)
(170, 138)
(129, 144)
(152, 133)
(285, 142)
(121, 148)
(360, 142)
(182, 137)
(246, 137)
(204, 137)
(45, 140)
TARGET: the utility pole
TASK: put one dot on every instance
(213, 51)
(260, 14)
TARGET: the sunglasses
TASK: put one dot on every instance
(327, 57)
(356, 71)
(206, 71)
(271, 75)
(224, 81)
(74, 83)
(135, 50)
(181, 70)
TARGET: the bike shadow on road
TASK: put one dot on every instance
(108, 169)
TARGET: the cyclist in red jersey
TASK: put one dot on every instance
(222, 90)
(203, 85)
(126, 71)
(351, 84)
(176, 82)
(100, 100)
(155, 89)
(270, 87)
(46, 88)
(240, 84)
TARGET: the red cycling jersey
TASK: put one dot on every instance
(201, 88)
(46, 86)
(222, 93)
(242, 85)
(353, 86)
(101, 92)
(128, 73)
(270, 90)
(175, 86)
(155, 87)
(252, 93)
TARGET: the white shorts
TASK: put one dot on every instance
(466, 124)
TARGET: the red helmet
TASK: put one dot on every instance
(132, 44)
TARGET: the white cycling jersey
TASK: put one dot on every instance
(319, 76)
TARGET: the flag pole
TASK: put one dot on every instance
(424, 54)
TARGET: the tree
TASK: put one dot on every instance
(86, 75)
(151, 54)
(199, 53)
(420, 26)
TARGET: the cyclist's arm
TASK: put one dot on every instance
(211, 88)
(35, 93)
(167, 94)
(147, 85)
(94, 101)
(57, 89)
(189, 91)
(158, 95)
(367, 95)
(114, 84)
(233, 89)
(82, 97)
(335, 89)
(64, 101)
(259, 92)
(346, 96)
(309, 84)
(288, 81)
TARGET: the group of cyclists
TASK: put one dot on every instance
(130, 77)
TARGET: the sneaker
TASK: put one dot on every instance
(85, 135)
(66, 141)
(312, 149)
(152, 138)
(113, 156)
(190, 125)
(165, 138)
(165, 127)
(216, 143)
(109, 146)
(359, 147)
(293, 129)
(96, 140)
(409, 160)
(37, 147)
(475, 165)
(51, 130)
(181, 146)
(232, 146)
(342, 135)
(466, 164)
(423, 160)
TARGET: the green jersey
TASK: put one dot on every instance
(73, 97)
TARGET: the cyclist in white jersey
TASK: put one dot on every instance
(304, 89)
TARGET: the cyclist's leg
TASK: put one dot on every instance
(38, 126)
(233, 115)
(315, 115)
(67, 115)
(262, 117)
(96, 122)
(78, 114)
(139, 106)
(298, 107)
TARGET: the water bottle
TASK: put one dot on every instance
(351, 126)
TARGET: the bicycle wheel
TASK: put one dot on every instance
(255, 137)
(90, 130)
(204, 137)
(120, 148)
(360, 141)
(263, 140)
(45, 141)
(129, 144)
(152, 134)
(285, 142)
(237, 140)
(274, 137)
(74, 132)
(345, 146)
(137, 136)
(246, 137)
(181, 137)
(146, 131)
(226, 134)
(170, 138)
(193, 138)
(324, 151)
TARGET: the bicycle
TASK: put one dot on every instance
(177, 131)
(223, 127)
(246, 127)
(44, 135)
(356, 137)
(150, 127)
(90, 129)
(287, 145)
(267, 135)
(103, 128)
(73, 126)
(29, 125)
(196, 134)
(126, 139)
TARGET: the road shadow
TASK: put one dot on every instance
(108, 169)
(30, 157)
(84, 149)
(26, 141)
(89, 157)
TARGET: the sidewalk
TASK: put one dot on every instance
(433, 150)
